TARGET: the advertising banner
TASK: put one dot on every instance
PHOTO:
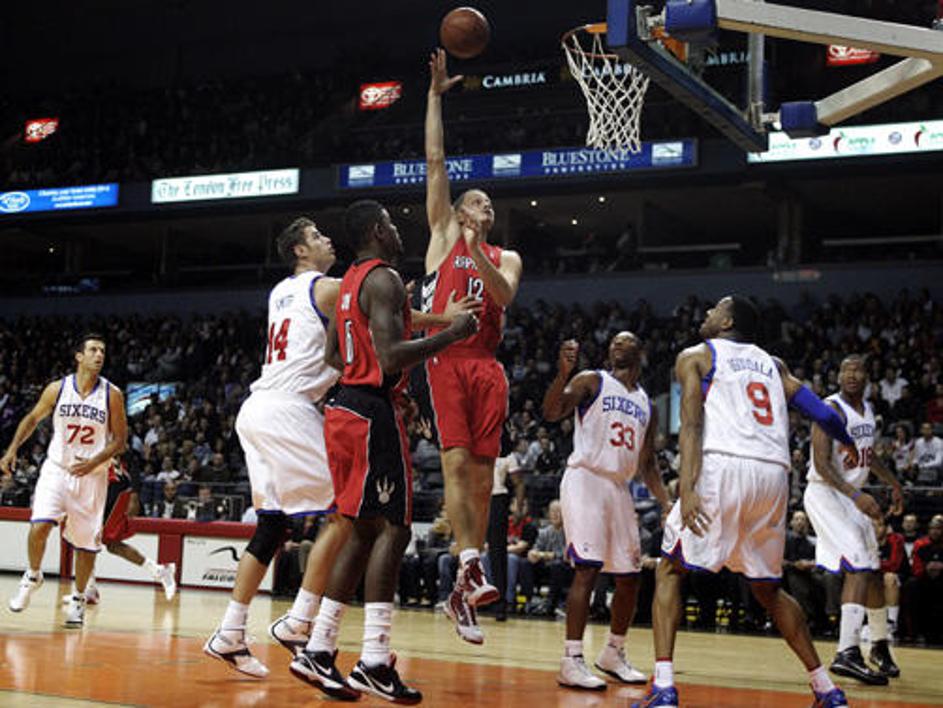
(212, 562)
(92, 196)
(242, 185)
(375, 97)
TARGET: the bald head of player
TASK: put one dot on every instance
(370, 232)
(475, 205)
(302, 247)
(733, 317)
(852, 377)
(625, 351)
(90, 353)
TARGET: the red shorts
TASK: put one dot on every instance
(117, 526)
(368, 453)
(470, 400)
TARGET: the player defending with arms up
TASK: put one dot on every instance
(734, 485)
(467, 383)
(613, 439)
(89, 427)
(841, 514)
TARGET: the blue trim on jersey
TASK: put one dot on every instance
(314, 303)
(79, 548)
(586, 405)
(574, 556)
(770, 579)
(318, 512)
(709, 376)
(107, 404)
(54, 522)
(626, 575)
(59, 395)
(90, 393)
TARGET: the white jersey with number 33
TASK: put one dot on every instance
(610, 429)
(297, 333)
(745, 412)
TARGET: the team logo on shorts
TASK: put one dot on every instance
(385, 490)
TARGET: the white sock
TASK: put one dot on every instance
(616, 641)
(573, 647)
(467, 555)
(820, 681)
(34, 574)
(893, 612)
(852, 617)
(235, 617)
(877, 621)
(326, 626)
(90, 583)
(305, 606)
(152, 568)
(377, 624)
(664, 674)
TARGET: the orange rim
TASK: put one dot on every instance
(595, 28)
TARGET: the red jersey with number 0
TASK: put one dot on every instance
(355, 342)
(459, 273)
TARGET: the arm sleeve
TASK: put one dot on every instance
(827, 417)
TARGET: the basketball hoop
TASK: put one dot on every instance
(614, 90)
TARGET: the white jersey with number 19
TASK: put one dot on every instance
(297, 333)
(745, 410)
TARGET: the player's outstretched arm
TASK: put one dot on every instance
(813, 407)
(438, 202)
(43, 407)
(118, 427)
(382, 297)
(564, 394)
(651, 477)
(822, 456)
(690, 367)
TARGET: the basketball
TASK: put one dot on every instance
(464, 32)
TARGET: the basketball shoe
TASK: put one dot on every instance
(318, 669)
(660, 697)
(833, 699)
(464, 617)
(612, 662)
(881, 657)
(574, 673)
(28, 586)
(478, 591)
(850, 663)
(285, 631)
(166, 575)
(229, 646)
(75, 615)
(384, 682)
(92, 594)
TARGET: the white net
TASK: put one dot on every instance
(614, 91)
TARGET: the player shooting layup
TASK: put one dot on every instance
(467, 384)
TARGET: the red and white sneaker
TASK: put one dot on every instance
(464, 617)
(472, 581)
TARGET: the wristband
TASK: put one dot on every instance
(855, 494)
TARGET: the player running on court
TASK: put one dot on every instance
(613, 439)
(841, 514)
(89, 428)
(368, 452)
(467, 384)
(734, 485)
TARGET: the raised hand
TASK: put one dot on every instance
(439, 80)
(569, 351)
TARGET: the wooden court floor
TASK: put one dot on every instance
(138, 649)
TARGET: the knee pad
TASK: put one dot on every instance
(268, 536)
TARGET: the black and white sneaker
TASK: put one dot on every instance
(882, 658)
(383, 682)
(285, 631)
(318, 669)
(850, 663)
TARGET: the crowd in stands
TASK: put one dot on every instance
(186, 457)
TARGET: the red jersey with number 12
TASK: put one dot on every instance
(355, 343)
(459, 273)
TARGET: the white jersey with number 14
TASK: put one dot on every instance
(745, 411)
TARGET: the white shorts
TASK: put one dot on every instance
(846, 540)
(282, 436)
(746, 501)
(78, 503)
(599, 522)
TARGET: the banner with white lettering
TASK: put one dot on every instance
(242, 185)
(212, 562)
(559, 162)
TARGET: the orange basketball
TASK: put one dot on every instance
(464, 32)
